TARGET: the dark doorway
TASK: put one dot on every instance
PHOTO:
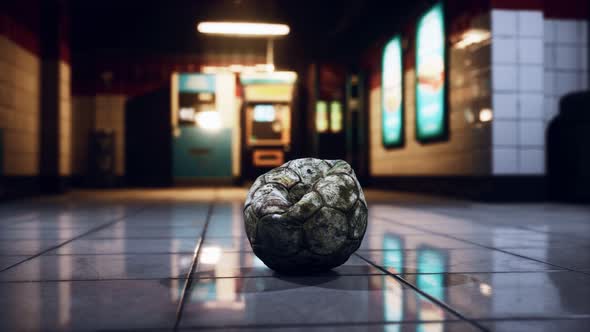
(148, 137)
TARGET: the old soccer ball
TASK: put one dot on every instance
(307, 215)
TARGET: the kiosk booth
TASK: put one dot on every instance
(267, 120)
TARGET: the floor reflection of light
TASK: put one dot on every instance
(65, 272)
(210, 255)
(485, 289)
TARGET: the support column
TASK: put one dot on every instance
(53, 179)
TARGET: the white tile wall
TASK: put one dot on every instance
(530, 78)
(567, 57)
(505, 133)
(504, 50)
(505, 161)
(567, 31)
(503, 22)
(504, 77)
(531, 106)
(530, 51)
(505, 105)
(531, 161)
(531, 133)
(530, 23)
(535, 61)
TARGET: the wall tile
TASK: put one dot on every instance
(583, 27)
(530, 51)
(503, 22)
(505, 161)
(504, 77)
(549, 82)
(530, 78)
(567, 57)
(531, 106)
(532, 161)
(584, 57)
(505, 105)
(505, 132)
(566, 82)
(584, 84)
(550, 108)
(549, 31)
(567, 31)
(504, 50)
(531, 133)
(549, 56)
(530, 23)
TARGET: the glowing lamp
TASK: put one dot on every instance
(246, 29)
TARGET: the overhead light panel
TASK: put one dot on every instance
(246, 29)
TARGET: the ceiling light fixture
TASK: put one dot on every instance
(245, 29)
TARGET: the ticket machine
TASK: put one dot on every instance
(267, 118)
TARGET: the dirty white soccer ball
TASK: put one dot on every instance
(307, 215)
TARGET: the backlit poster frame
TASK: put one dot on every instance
(431, 88)
(392, 94)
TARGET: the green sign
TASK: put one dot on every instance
(431, 110)
(392, 94)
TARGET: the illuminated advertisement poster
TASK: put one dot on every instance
(392, 94)
(431, 119)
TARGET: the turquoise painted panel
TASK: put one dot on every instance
(196, 83)
(200, 153)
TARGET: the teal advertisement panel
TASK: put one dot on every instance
(392, 94)
(196, 83)
(431, 117)
(202, 154)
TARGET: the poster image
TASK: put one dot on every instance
(431, 109)
(392, 94)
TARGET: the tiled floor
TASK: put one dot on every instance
(179, 259)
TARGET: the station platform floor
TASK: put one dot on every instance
(159, 260)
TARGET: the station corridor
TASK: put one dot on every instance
(179, 259)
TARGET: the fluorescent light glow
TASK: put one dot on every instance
(187, 113)
(473, 36)
(243, 29)
(486, 115)
(210, 255)
(208, 120)
(485, 289)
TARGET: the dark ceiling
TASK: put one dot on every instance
(320, 29)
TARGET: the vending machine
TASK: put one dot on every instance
(267, 118)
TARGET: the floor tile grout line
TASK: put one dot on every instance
(419, 291)
(183, 278)
(482, 246)
(312, 325)
(77, 237)
(193, 267)
(375, 323)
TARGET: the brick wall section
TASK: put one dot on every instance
(19, 108)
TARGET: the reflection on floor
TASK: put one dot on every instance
(179, 259)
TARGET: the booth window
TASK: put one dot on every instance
(336, 116)
(321, 117)
(328, 120)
